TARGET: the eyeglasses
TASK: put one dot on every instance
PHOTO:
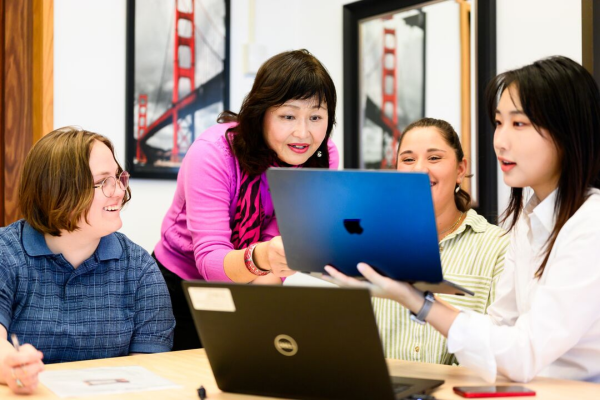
(109, 184)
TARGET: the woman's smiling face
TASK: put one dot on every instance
(104, 217)
(296, 129)
(425, 150)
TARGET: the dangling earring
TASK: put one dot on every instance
(319, 153)
(457, 188)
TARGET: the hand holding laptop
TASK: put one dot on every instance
(419, 303)
(379, 286)
(276, 257)
(268, 260)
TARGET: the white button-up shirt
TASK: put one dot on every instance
(549, 326)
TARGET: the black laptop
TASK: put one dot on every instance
(340, 218)
(295, 342)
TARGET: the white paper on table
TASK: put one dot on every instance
(108, 380)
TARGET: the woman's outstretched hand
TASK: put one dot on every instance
(379, 285)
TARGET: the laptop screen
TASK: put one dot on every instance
(293, 342)
(340, 218)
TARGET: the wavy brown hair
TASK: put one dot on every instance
(561, 97)
(292, 75)
(462, 199)
(57, 186)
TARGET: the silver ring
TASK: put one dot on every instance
(17, 380)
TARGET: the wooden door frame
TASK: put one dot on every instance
(590, 37)
(26, 90)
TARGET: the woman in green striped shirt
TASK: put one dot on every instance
(471, 249)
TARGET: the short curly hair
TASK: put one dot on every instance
(57, 186)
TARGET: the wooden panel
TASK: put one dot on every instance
(43, 67)
(26, 89)
(590, 37)
(17, 97)
(465, 92)
(2, 109)
(587, 34)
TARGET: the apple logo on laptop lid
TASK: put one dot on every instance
(353, 226)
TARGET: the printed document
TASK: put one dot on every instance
(109, 380)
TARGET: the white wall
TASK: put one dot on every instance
(89, 90)
(89, 66)
(89, 76)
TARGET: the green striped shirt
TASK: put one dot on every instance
(473, 257)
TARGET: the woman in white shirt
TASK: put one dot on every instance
(546, 317)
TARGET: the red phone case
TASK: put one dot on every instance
(473, 395)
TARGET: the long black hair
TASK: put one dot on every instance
(561, 97)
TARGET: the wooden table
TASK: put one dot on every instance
(190, 368)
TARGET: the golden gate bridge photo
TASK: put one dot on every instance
(180, 79)
(391, 96)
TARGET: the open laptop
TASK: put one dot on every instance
(295, 342)
(340, 218)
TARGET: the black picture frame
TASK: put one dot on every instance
(485, 51)
(590, 18)
(205, 93)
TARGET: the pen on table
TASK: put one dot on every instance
(15, 341)
(202, 393)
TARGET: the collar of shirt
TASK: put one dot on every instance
(477, 223)
(35, 245)
(540, 218)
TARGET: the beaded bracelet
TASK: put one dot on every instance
(250, 263)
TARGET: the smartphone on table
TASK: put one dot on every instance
(493, 391)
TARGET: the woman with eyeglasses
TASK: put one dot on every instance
(71, 287)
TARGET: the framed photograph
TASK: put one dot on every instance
(409, 59)
(390, 97)
(177, 79)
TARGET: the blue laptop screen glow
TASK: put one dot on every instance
(384, 218)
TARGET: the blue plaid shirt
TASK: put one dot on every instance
(113, 304)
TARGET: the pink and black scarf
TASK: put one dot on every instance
(249, 213)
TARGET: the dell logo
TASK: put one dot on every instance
(286, 345)
(353, 226)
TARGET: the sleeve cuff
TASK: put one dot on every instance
(214, 268)
(4, 321)
(469, 341)
(149, 348)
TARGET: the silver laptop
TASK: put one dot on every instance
(295, 342)
(340, 218)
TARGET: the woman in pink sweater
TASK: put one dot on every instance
(221, 225)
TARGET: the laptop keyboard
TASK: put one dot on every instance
(399, 388)
(416, 397)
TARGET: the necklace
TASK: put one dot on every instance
(451, 229)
